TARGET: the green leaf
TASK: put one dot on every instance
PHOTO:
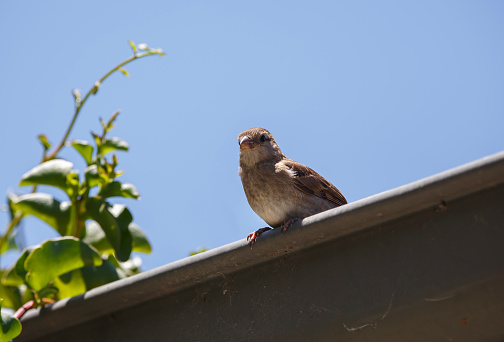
(98, 210)
(112, 118)
(114, 221)
(101, 275)
(56, 257)
(53, 172)
(45, 207)
(49, 291)
(117, 188)
(198, 251)
(70, 284)
(92, 176)
(140, 242)
(103, 169)
(73, 182)
(130, 267)
(15, 275)
(97, 139)
(10, 294)
(123, 218)
(85, 150)
(96, 237)
(45, 143)
(103, 124)
(133, 47)
(113, 144)
(79, 281)
(125, 73)
(114, 161)
(11, 327)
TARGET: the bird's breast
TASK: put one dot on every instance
(273, 197)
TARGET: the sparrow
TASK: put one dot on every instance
(278, 189)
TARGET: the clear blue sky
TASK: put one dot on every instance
(370, 94)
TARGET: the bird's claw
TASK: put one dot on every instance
(289, 223)
(252, 237)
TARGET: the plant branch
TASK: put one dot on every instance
(145, 51)
(12, 224)
(80, 103)
(31, 305)
(22, 310)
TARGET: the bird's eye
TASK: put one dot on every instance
(263, 138)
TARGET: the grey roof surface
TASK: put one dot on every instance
(424, 261)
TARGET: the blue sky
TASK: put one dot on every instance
(370, 94)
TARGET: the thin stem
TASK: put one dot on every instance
(22, 310)
(93, 91)
(31, 305)
(79, 212)
(12, 224)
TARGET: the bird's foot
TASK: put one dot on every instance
(288, 223)
(251, 238)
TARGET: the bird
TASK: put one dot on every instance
(278, 189)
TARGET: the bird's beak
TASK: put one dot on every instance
(246, 143)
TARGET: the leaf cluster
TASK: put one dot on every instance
(97, 237)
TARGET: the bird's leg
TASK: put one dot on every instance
(289, 223)
(253, 236)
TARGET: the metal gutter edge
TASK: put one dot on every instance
(434, 191)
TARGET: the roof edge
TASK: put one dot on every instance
(433, 191)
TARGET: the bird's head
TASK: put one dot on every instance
(257, 145)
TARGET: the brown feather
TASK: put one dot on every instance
(311, 183)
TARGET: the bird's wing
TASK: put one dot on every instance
(310, 182)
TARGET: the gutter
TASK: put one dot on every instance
(369, 270)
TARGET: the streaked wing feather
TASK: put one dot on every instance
(310, 182)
